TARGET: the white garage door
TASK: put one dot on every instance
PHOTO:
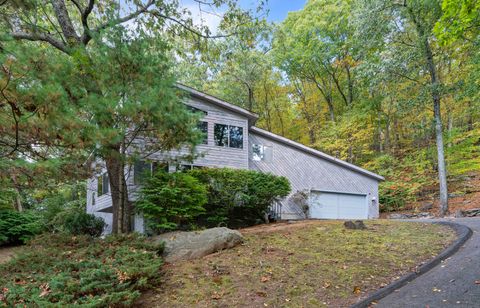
(330, 205)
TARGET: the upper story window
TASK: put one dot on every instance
(103, 184)
(228, 136)
(142, 168)
(196, 110)
(203, 127)
(261, 152)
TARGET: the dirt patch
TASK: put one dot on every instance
(305, 264)
(464, 195)
(6, 253)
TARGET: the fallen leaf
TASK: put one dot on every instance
(216, 295)
(265, 278)
(262, 294)
(477, 281)
(356, 290)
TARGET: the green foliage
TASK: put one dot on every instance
(171, 200)
(463, 154)
(238, 197)
(18, 227)
(60, 270)
(77, 222)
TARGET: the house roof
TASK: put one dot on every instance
(314, 152)
(218, 102)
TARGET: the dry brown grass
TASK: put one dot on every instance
(314, 264)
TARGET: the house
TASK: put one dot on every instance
(322, 186)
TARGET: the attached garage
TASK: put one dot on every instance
(336, 205)
(323, 186)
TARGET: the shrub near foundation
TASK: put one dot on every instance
(238, 198)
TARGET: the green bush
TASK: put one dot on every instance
(394, 196)
(77, 222)
(238, 198)
(170, 201)
(57, 270)
(18, 227)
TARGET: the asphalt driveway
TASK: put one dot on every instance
(454, 283)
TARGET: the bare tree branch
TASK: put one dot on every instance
(40, 37)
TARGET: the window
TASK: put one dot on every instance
(228, 136)
(196, 110)
(93, 198)
(140, 169)
(261, 152)
(203, 127)
(143, 168)
(236, 137)
(103, 184)
(221, 135)
(156, 166)
(181, 168)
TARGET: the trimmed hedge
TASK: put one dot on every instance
(238, 198)
(170, 201)
(76, 221)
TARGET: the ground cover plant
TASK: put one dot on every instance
(307, 264)
(57, 270)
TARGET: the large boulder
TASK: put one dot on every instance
(180, 245)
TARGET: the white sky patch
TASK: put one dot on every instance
(204, 15)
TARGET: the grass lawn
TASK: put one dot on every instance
(311, 264)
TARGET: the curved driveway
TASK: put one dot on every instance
(453, 283)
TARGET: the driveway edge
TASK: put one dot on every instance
(463, 234)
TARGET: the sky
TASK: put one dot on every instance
(278, 10)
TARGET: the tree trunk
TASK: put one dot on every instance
(120, 205)
(442, 170)
(18, 198)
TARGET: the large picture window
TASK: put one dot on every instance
(228, 136)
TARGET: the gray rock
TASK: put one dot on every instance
(426, 206)
(398, 216)
(422, 215)
(471, 213)
(180, 245)
(357, 225)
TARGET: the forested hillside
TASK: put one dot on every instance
(362, 81)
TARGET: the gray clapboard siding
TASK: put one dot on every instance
(209, 155)
(308, 172)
